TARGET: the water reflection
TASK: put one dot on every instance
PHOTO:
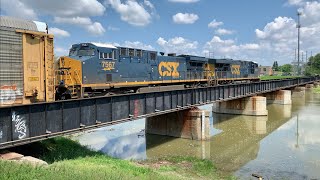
(119, 141)
(240, 141)
(292, 151)
(162, 146)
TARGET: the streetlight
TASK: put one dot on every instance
(299, 13)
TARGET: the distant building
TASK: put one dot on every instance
(265, 70)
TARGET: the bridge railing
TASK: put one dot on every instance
(33, 122)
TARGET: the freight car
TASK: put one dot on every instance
(26, 62)
(99, 69)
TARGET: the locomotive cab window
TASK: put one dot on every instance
(103, 55)
(139, 53)
(123, 52)
(86, 51)
(73, 52)
(153, 56)
(110, 55)
(131, 52)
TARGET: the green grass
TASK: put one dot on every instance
(276, 77)
(69, 160)
(316, 90)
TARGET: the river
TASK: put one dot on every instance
(283, 145)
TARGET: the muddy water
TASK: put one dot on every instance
(283, 145)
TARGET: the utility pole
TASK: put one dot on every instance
(306, 56)
(299, 26)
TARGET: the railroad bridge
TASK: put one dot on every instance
(168, 112)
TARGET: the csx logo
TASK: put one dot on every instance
(107, 65)
(169, 69)
(235, 69)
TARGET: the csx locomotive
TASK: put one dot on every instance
(100, 69)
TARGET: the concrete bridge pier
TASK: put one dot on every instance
(309, 86)
(190, 124)
(316, 84)
(252, 106)
(282, 97)
(298, 92)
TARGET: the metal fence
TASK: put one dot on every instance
(27, 123)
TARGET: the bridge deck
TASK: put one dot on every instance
(28, 123)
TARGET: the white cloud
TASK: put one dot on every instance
(70, 8)
(230, 49)
(17, 9)
(222, 31)
(63, 11)
(133, 12)
(295, 2)
(129, 44)
(94, 28)
(73, 20)
(58, 32)
(250, 46)
(278, 29)
(59, 51)
(138, 45)
(310, 13)
(215, 24)
(178, 45)
(111, 28)
(151, 9)
(184, 1)
(185, 18)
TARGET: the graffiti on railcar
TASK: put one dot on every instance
(169, 69)
(9, 94)
(20, 126)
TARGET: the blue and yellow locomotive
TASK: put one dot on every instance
(101, 69)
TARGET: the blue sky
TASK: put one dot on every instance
(263, 31)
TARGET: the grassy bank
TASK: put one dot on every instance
(69, 160)
(276, 77)
(316, 90)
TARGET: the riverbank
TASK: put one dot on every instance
(316, 90)
(69, 160)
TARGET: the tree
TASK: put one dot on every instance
(275, 66)
(286, 68)
(313, 65)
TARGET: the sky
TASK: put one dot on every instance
(263, 31)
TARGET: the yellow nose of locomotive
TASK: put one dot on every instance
(70, 74)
